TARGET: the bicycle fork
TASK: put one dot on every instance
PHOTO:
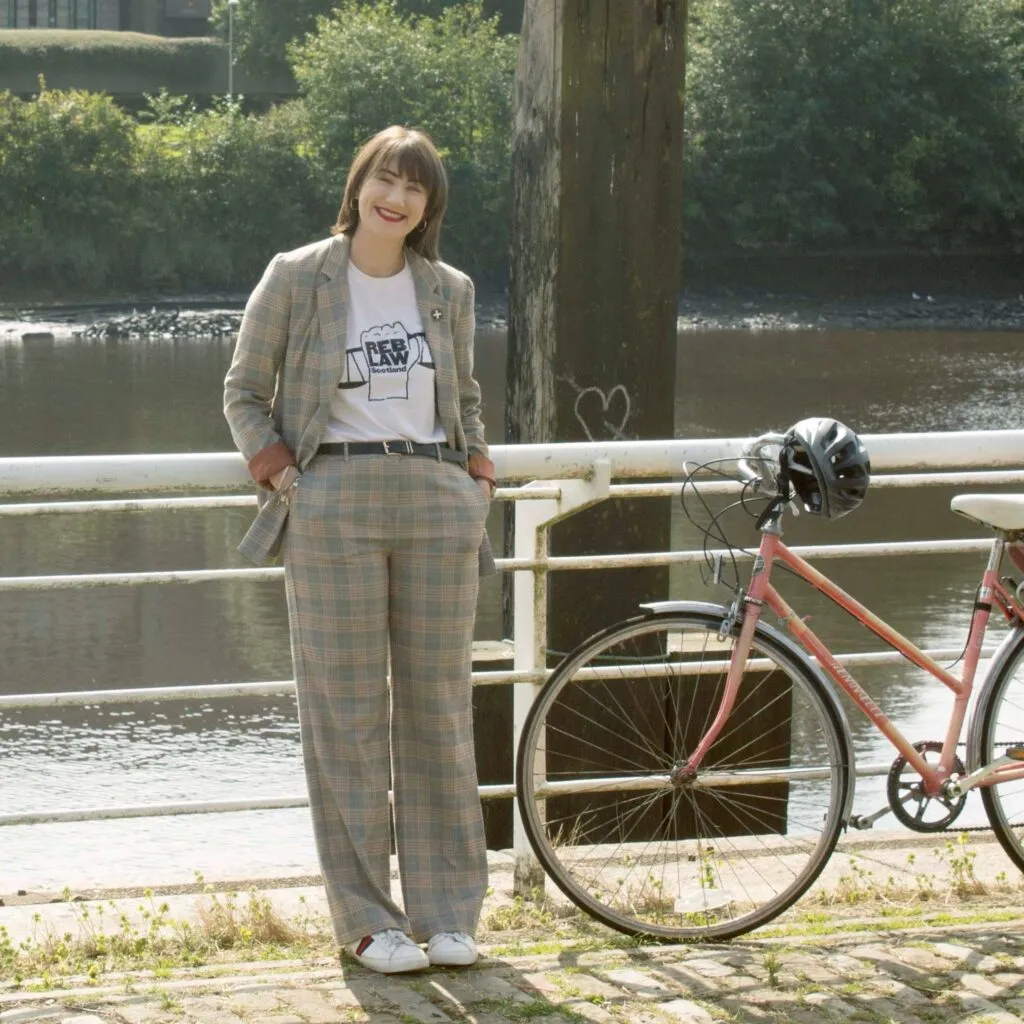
(747, 609)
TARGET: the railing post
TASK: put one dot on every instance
(530, 629)
(530, 633)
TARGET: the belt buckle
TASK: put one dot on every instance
(387, 448)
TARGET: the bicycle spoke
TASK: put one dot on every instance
(1001, 707)
(710, 856)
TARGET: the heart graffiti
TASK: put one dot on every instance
(602, 416)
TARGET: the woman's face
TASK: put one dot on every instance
(390, 204)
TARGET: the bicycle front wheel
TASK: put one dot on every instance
(645, 850)
(1001, 705)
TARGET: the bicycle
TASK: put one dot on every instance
(686, 774)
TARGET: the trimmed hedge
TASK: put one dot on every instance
(121, 62)
(89, 51)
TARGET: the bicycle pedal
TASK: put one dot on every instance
(1015, 753)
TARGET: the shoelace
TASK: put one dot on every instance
(393, 939)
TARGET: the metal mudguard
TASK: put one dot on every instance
(1003, 654)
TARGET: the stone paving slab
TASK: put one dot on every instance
(956, 974)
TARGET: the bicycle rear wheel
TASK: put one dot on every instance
(647, 854)
(1001, 705)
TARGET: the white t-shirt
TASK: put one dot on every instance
(388, 388)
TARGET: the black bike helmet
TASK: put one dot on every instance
(828, 466)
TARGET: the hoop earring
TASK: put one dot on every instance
(422, 226)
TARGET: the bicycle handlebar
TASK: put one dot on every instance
(760, 460)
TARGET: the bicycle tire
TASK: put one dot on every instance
(651, 859)
(1001, 711)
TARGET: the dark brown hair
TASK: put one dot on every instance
(412, 153)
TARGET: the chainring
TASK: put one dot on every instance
(904, 790)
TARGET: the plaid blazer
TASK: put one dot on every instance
(290, 356)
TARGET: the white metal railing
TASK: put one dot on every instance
(553, 482)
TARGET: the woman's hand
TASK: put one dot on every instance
(481, 469)
(284, 479)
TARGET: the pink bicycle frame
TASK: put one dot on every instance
(761, 593)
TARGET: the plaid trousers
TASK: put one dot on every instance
(380, 560)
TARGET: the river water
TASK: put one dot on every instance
(95, 397)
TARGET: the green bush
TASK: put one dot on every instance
(264, 28)
(855, 123)
(66, 182)
(369, 66)
(833, 125)
(223, 191)
(92, 202)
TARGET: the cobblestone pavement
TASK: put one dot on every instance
(957, 973)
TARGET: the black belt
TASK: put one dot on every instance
(430, 451)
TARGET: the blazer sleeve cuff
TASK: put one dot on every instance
(270, 460)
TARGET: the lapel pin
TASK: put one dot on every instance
(435, 314)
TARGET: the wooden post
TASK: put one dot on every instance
(595, 266)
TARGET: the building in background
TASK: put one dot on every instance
(154, 17)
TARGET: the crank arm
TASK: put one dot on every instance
(865, 821)
(955, 790)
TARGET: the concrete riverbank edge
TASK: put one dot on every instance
(723, 310)
(919, 929)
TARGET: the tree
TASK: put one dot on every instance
(855, 122)
(368, 66)
(264, 28)
(508, 12)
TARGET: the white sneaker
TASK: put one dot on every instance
(452, 949)
(389, 952)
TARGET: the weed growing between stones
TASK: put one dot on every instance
(772, 964)
(107, 939)
(964, 883)
(959, 881)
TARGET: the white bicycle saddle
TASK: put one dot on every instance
(1004, 512)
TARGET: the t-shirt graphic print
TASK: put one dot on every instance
(387, 391)
(383, 360)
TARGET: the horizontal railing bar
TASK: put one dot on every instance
(565, 562)
(926, 547)
(666, 669)
(207, 691)
(286, 687)
(138, 579)
(953, 450)
(705, 780)
(43, 508)
(49, 508)
(489, 792)
(971, 478)
(153, 810)
(670, 489)
(497, 791)
(967, 479)
(149, 694)
(220, 471)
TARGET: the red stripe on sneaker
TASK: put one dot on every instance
(364, 943)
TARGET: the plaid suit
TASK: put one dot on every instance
(291, 354)
(381, 567)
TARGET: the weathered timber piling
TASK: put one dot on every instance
(595, 266)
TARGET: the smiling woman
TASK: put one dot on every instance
(396, 184)
(352, 350)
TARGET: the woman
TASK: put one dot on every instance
(351, 396)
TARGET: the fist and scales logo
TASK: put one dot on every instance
(383, 360)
